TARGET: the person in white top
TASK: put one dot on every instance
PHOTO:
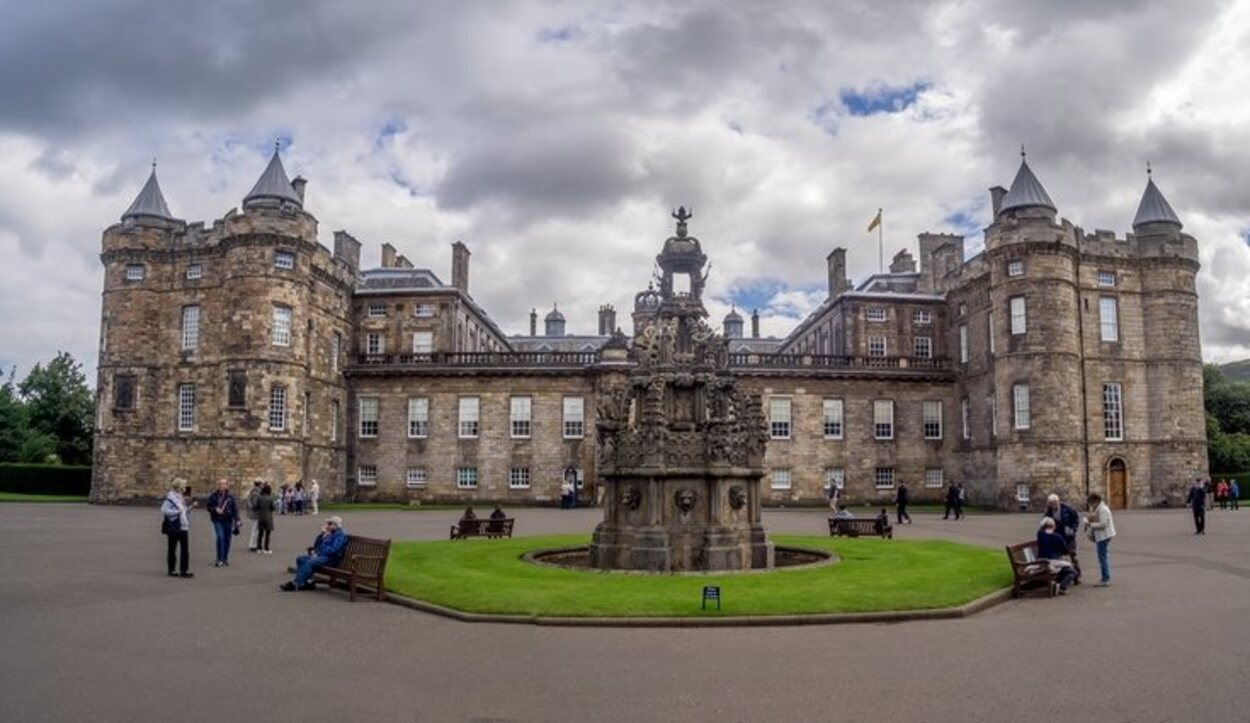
(314, 495)
(1101, 529)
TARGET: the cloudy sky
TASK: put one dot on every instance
(554, 137)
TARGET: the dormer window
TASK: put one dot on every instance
(283, 260)
(876, 313)
(921, 316)
(195, 271)
(1106, 278)
(422, 311)
(135, 272)
(1015, 268)
(377, 311)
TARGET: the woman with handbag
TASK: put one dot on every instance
(176, 527)
(224, 512)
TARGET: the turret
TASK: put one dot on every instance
(1154, 210)
(733, 324)
(149, 205)
(273, 188)
(1027, 197)
(554, 322)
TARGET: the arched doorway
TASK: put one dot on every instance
(1117, 484)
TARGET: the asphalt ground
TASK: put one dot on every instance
(91, 629)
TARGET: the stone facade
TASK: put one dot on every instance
(1104, 352)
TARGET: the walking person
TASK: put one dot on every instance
(1234, 493)
(952, 498)
(900, 503)
(1197, 501)
(1221, 494)
(264, 519)
(224, 512)
(177, 527)
(959, 501)
(252, 496)
(1101, 529)
(314, 496)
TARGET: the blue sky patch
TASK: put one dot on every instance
(556, 36)
(389, 130)
(755, 293)
(876, 99)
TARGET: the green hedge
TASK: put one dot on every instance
(45, 479)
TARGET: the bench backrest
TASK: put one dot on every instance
(1024, 553)
(367, 547)
(501, 525)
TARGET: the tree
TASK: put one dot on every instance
(13, 430)
(1228, 421)
(59, 408)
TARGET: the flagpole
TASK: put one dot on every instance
(880, 243)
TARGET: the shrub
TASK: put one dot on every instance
(45, 479)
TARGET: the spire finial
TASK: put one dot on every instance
(153, 164)
(1022, 153)
(277, 144)
(682, 215)
(1148, 169)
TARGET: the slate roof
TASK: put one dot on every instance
(1154, 208)
(274, 184)
(150, 202)
(1026, 191)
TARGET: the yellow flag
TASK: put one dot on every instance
(876, 221)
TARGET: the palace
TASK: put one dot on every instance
(1055, 360)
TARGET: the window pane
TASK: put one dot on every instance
(780, 479)
(281, 326)
(1020, 394)
(186, 407)
(422, 342)
(277, 409)
(1019, 321)
(965, 411)
(574, 417)
(932, 420)
(963, 343)
(520, 416)
(833, 418)
(1112, 412)
(883, 419)
(369, 416)
(779, 417)
(1108, 319)
(190, 327)
(468, 417)
(418, 417)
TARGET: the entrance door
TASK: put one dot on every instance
(1117, 484)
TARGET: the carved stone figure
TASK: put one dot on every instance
(737, 497)
(631, 498)
(685, 498)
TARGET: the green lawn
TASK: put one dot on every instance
(488, 576)
(358, 506)
(15, 497)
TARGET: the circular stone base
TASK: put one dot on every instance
(578, 558)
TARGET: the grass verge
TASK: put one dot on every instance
(488, 576)
(358, 506)
(16, 497)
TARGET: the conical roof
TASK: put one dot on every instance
(1026, 191)
(150, 202)
(273, 184)
(1154, 208)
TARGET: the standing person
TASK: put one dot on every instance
(1221, 494)
(1102, 529)
(252, 495)
(314, 496)
(326, 550)
(1210, 490)
(959, 501)
(900, 503)
(952, 499)
(566, 494)
(1067, 524)
(264, 519)
(224, 512)
(174, 509)
(298, 497)
(1197, 501)
(1234, 493)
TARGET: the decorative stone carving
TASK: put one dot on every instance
(737, 497)
(685, 499)
(631, 498)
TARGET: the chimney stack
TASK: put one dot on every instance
(755, 323)
(460, 266)
(388, 256)
(903, 263)
(607, 320)
(347, 250)
(837, 272)
(996, 198)
(298, 184)
(402, 262)
(533, 322)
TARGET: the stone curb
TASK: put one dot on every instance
(889, 616)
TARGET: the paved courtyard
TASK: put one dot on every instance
(92, 629)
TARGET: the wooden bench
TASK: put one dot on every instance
(855, 526)
(364, 561)
(1032, 574)
(482, 528)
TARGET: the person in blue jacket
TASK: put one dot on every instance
(1067, 524)
(326, 551)
(1052, 548)
(223, 510)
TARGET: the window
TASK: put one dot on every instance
(876, 313)
(468, 426)
(190, 328)
(922, 347)
(933, 478)
(367, 475)
(993, 415)
(1019, 317)
(374, 344)
(883, 419)
(1106, 278)
(304, 411)
(377, 310)
(124, 391)
(418, 417)
(520, 417)
(422, 311)
(963, 343)
(134, 272)
(921, 316)
(835, 477)
(989, 329)
(416, 477)
(1015, 268)
(195, 271)
(186, 407)
(965, 413)
(884, 478)
(519, 478)
(779, 417)
(963, 309)
(277, 408)
(281, 335)
(283, 260)
(1108, 323)
(574, 417)
(1022, 493)
(1112, 413)
(368, 416)
(1020, 394)
(466, 478)
(334, 421)
(876, 346)
(422, 342)
(336, 348)
(780, 479)
(833, 418)
(236, 388)
(932, 420)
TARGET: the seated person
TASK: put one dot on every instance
(326, 551)
(882, 523)
(843, 513)
(498, 513)
(469, 514)
(1052, 548)
(497, 516)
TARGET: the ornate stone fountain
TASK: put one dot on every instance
(681, 448)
